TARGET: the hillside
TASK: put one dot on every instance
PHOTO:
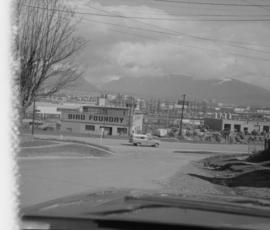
(80, 87)
(227, 91)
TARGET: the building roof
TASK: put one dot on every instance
(79, 106)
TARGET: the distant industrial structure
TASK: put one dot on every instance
(122, 115)
(244, 126)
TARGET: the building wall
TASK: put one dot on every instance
(94, 129)
(137, 123)
(213, 124)
(91, 120)
(239, 125)
(249, 126)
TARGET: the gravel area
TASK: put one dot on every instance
(234, 174)
(183, 183)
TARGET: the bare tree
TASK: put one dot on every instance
(45, 45)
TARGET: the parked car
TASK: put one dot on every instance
(142, 139)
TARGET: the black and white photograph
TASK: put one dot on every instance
(140, 114)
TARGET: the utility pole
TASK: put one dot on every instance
(102, 135)
(33, 117)
(130, 105)
(158, 112)
(193, 117)
(105, 113)
(182, 115)
(129, 121)
(168, 114)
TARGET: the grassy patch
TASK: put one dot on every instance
(36, 143)
(77, 142)
(64, 150)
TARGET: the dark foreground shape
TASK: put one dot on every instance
(144, 210)
(260, 156)
(257, 178)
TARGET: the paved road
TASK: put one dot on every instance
(123, 146)
(130, 167)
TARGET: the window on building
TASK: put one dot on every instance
(90, 127)
(78, 117)
(122, 131)
(227, 126)
(82, 117)
(266, 128)
(69, 116)
(69, 129)
(237, 128)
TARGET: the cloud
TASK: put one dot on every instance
(99, 20)
(201, 50)
(168, 57)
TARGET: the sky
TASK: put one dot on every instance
(156, 38)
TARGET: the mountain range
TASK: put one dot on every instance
(80, 87)
(229, 91)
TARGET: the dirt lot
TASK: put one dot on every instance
(237, 173)
(43, 177)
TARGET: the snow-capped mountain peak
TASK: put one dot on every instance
(224, 80)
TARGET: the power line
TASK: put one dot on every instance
(162, 32)
(174, 33)
(179, 45)
(174, 14)
(179, 19)
(235, 44)
(130, 27)
(131, 34)
(183, 18)
(152, 15)
(212, 3)
(156, 18)
(261, 7)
